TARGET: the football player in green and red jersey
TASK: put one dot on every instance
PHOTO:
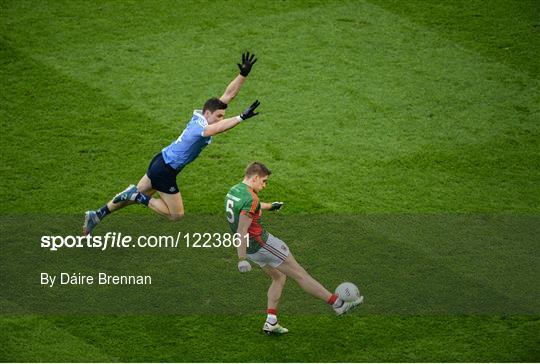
(244, 211)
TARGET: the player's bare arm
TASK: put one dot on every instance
(248, 60)
(244, 222)
(221, 126)
(226, 124)
(232, 89)
(271, 206)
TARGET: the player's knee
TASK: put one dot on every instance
(281, 279)
(176, 217)
(278, 278)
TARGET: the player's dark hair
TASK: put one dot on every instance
(214, 104)
(257, 168)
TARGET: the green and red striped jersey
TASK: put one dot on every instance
(242, 200)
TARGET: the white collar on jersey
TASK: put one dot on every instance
(200, 116)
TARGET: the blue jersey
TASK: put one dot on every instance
(189, 144)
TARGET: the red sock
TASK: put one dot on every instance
(332, 299)
(271, 316)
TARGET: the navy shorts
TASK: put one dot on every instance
(162, 175)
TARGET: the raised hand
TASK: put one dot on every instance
(250, 111)
(248, 60)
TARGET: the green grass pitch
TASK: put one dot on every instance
(403, 136)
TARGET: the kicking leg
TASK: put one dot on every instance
(292, 269)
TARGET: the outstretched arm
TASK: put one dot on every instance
(234, 87)
(271, 206)
(221, 126)
(227, 124)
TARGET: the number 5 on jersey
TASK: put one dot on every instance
(229, 211)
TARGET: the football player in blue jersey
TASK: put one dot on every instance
(165, 166)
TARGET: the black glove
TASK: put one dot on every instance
(275, 206)
(250, 111)
(247, 62)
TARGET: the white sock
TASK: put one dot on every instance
(339, 302)
(271, 319)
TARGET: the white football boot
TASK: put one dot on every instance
(348, 306)
(276, 329)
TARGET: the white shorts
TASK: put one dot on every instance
(273, 253)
